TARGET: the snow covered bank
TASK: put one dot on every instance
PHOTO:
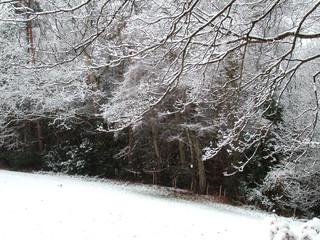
(35, 206)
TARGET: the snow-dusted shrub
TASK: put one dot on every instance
(311, 230)
(66, 159)
(280, 230)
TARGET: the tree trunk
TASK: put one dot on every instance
(40, 141)
(191, 158)
(156, 149)
(130, 145)
(30, 34)
(181, 144)
(91, 80)
(201, 169)
(33, 57)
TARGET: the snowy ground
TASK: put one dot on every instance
(43, 207)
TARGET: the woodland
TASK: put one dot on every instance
(217, 97)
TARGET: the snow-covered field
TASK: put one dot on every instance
(43, 207)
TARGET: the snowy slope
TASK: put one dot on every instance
(43, 207)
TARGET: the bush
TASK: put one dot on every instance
(280, 230)
(87, 158)
(20, 160)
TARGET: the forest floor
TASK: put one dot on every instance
(45, 206)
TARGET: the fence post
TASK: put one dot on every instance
(174, 182)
